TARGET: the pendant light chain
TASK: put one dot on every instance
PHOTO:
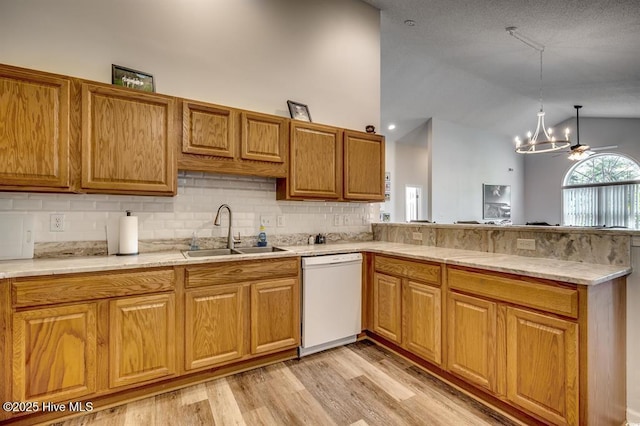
(541, 106)
(547, 143)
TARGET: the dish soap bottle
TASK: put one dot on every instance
(262, 237)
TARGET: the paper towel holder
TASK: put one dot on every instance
(128, 212)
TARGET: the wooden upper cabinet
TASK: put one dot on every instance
(128, 141)
(34, 130)
(219, 139)
(263, 137)
(363, 166)
(54, 353)
(208, 129)
(315, 162)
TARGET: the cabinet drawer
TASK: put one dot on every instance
(239, 271)
(72, 288)
(559, 300)
(410, 269)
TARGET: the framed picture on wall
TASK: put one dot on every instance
(126, 77)
(496, 201)
(299, 111)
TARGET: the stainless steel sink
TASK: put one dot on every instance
(208, 253)
(250, 250)
(226, 251)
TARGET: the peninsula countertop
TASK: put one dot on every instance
(552, 269)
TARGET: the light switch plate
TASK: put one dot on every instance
(417, 236)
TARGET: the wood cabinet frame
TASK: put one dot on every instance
(39, 158)
(149, 118)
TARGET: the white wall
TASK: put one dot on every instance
(241, 53)
(390, 167)
(411, 168)
(464, 158)
(544, 173)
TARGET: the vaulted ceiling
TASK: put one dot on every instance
(459, 64)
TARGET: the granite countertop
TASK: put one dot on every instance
(558, 270)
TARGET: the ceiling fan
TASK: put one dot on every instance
(578, 151)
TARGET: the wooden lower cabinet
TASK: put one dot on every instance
(141, 339)
(421, 320)
(54, 353)
(275, 315)
(387, 305)
(214, 325)
(542, 365)
(472, 341)
(407, 305)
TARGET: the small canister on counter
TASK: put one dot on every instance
(311, 239)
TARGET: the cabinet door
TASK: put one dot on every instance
(128, 141)
(54, 353)
(34, 129)
(141, 339)
(363, 166)
(387, 293)
(214, 325)
(208, 129)
(421, 331)
(263, 137)
(315, 161)
(472, 343)
(275, 315)
(542, 365)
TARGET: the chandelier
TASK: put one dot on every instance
(542, 139)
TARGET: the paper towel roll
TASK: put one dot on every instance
(128, 234)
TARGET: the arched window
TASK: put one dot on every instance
(602, 190)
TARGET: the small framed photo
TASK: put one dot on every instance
(299, 111)
(126, 77)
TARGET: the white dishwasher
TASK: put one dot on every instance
(331, 301)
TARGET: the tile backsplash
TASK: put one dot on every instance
(192, 210)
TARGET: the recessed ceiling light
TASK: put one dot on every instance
(410, 23)
(391, 126)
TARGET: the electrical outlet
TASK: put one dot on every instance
(280, 221)
(266, 221)
(417, 236)
(56, 222)
(346, 220)
(525, 244)
(336, 220)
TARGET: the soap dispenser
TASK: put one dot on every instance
(262, 237)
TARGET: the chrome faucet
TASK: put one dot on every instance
(230, 239)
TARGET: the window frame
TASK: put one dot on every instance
(568, 173)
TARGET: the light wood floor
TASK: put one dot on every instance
(359, 384)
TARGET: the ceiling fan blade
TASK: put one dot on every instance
(603, 148)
